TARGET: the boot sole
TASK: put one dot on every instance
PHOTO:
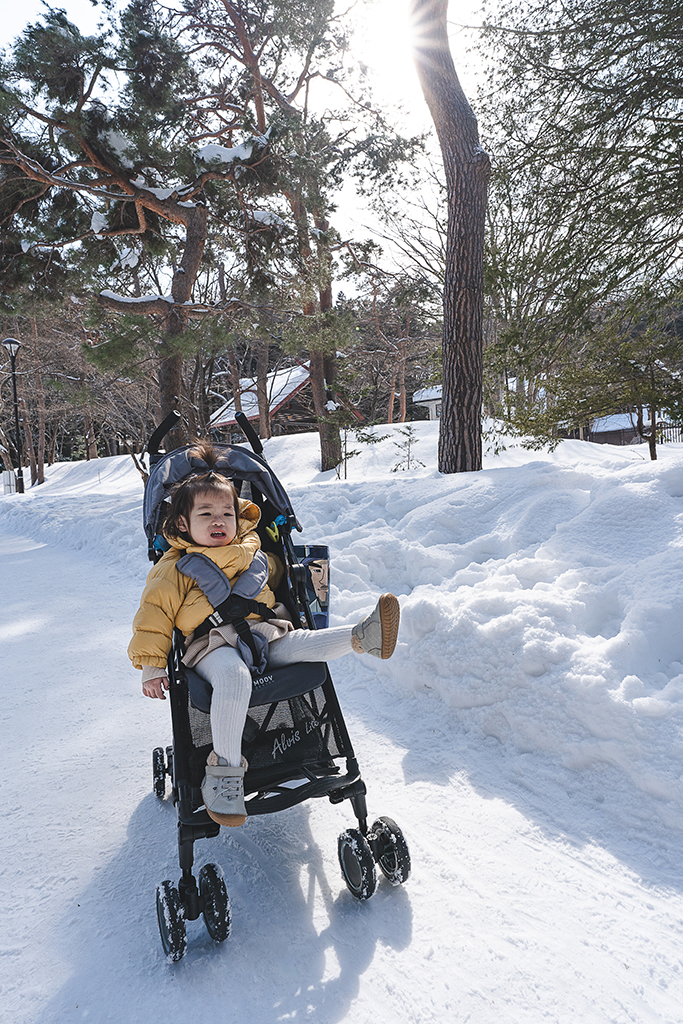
(231, 820)
(389, 616)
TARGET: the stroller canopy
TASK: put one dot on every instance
(234, 462)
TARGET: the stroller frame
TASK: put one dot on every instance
(291, 708)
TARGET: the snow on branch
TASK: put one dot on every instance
(147, 304)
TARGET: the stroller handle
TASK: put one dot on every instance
(250, 433)
(157, 437)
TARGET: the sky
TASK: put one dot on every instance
(382, 42)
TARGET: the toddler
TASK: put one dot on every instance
(207, 517)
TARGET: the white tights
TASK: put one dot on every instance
(231, 679)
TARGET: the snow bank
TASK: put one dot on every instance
(541, 597)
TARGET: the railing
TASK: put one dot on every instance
(669, 432)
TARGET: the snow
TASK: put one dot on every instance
(215, 154)
(98, 223)
(526, 735)
(122, 146)
(129, 257)
(107, 293)
(427, 394)
(160, 193)
(268, 217)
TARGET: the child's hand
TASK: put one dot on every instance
(155, 687)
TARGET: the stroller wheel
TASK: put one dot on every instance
(171, 918)
(159, 772)
(216, 902)
(394, 856)
(357, 864)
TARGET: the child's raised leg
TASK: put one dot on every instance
(376, 634)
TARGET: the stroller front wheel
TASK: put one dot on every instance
(394, 856)
(216, 910)
(357, 864)
(171, 918)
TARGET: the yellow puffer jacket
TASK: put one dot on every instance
(172, 599)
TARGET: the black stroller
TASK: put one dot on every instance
(295, 735)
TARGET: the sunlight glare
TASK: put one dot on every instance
(382, 43)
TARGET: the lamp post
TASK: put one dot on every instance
(13, 346)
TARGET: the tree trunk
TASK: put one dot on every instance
(330, 441)
(171, 349)
(40, 454)
(324, 366)
(40, 398)
(235, 378)
(52, 457)
(88, 424)
(28, 440)
(232, 358)
(392, 393)
(89, 432)
(4, 451)
(262, 350)
(191, 405)
(203, 406)
(402, 401)
(652, 439)
(467, 169)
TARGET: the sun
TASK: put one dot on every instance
(382, 44)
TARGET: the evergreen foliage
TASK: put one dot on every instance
(584, 225)
(174, 143)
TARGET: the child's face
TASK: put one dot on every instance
(212, 520)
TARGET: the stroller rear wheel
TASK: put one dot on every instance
(357, 864)
(216, 902)
(171, 918)
(394, 856)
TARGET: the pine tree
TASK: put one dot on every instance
(193, 162)
(467, 169)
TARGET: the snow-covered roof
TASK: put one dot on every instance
(618, 421)
(282, 386)
(428, 395)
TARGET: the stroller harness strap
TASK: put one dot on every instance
(232, 604)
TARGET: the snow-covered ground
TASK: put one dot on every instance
(526, 735)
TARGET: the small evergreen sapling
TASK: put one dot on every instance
(407, 460)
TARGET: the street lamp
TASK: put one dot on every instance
(13, 346)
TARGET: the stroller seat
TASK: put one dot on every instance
(274, 685)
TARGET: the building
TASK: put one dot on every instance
(289, 400)
(620, 428)
(430, 399)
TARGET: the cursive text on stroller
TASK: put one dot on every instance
(288, 739)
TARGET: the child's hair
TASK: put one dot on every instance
(185, 494)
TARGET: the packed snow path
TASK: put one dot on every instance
(526, 736)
